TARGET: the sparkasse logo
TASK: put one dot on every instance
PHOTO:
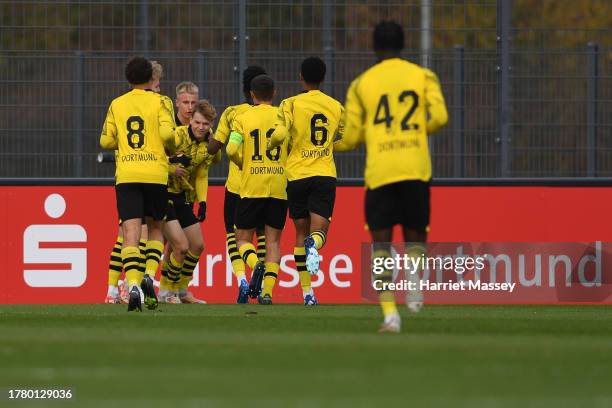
(36, 254)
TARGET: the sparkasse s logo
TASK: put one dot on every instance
(37, 236)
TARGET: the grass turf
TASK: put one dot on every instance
(191, 355)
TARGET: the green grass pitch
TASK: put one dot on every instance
(204, 356)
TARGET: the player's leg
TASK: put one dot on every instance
(297, 201)
(142, 245)
(191, 235)
(381, 248)
(321, 198)
(196, 247)
(415, 223)
(380, 212)
(115, 267)
(249, 212)
(302, 228)
(275, 216)
(166, 294)
(261, 242)
(178, 246)
(130, 206)
(229, 215)
(156, 203)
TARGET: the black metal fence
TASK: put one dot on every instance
(524, 101)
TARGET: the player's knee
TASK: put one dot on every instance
(180, 248)
(197, 248)
(272, 243)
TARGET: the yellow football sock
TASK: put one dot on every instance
(189, 265)
(387, 303)
(414, 252)
(174, 271)
(164, 282)
(115, 264)
(248, 254)
(269, 278)
(385, 297)
(319, 238)
(237, 262)
(131, 258)
(299, 254)
(142, 245)
(261, 246)
(154, 252)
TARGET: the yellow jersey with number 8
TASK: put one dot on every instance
(138, 124)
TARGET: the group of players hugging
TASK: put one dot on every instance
(281, 158)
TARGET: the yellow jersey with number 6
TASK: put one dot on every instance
(139, 125)
(311, 121)
(391, 107)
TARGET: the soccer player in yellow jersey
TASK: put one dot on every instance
(263, 184)
(117, 290)
(186, 99)
(310, 121)
(392, 108)
(232, 185)
(188, 180)
(140, 126)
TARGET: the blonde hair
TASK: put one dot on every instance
(206, 109)
(186, 87)
(158, 71)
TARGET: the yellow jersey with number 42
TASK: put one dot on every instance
(392, 107)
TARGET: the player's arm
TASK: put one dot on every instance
(108, 138)
(222, 134)
(284, 122)
(170, 107)
(200, 185)
(339, 135)
(234, 148)
(352, 120)
(434, 102)
(166, 127)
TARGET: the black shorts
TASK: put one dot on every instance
(229, 210)
(142, 221)
(181, 210)
(405, 203)
(252, 212)
(312, 194)
(229, 213)
(138, 200)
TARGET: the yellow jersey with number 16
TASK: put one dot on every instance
(263, 170)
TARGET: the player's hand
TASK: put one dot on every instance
(202, 211)
(180, 172)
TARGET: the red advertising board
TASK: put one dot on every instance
(56, 240)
